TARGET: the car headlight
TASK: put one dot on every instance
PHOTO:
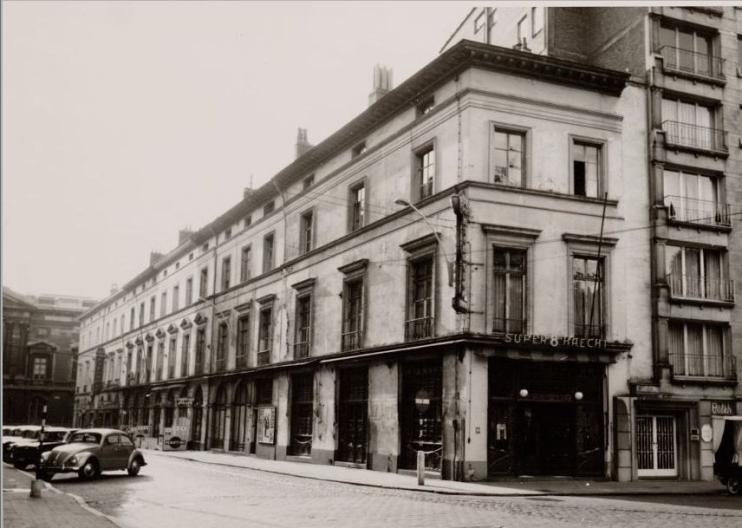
(72, 461)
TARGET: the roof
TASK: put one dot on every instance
(463, 55)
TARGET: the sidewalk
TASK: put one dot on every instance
(378, 479)
(53, 510)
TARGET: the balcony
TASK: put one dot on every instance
(419, 328)
(241, 361)
(264, 357)
(704, 366)
(301, 350)
(688, 135)
(693, 287)
(693, 63)
(699, 212)
(590, 330)
(351, 340)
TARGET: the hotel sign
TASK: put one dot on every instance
(556, 341)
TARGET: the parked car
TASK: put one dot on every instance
(19, 435)
(90, 452)
(21, 455)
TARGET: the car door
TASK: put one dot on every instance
(109, 452)
(126, 447)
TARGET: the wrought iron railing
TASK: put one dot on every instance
(241, 361)
(687, 61)
(695, 136)
(301, 350)
(351, 340)
(695, 211)
(697, 287)
(264, 357)
(419, 328)
(590, 330)
(706, 366)
(158, 374)
(426, 189)
(511, 326)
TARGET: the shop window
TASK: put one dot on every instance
(353, 415)
(238, 436)
(509, 290)
(421, 412)
(219, 418)
(264, 391)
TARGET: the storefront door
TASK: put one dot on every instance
(421, 414)
(656, 446)
(547, 444)
(353, 415)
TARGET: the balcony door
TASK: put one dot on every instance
(656, 446)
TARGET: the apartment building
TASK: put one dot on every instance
(40, 339)
(460, 270)
(687, 62)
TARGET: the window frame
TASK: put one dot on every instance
(203, 284)
(525, 133)
(353, 189)
(418, 154)
(354, 272)
(269, 263)
(602, 165)
(245, 263)
(307, 244)
(304, 292)
(727, 352)
(243, 340)
(226, 278)
(264, 355)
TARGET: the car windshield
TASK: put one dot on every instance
(54, 436)
(86, 438)
(30, 434)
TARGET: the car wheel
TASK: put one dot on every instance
(89, 470)
(734, 486)
(134, 467)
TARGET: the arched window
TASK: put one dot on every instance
(238, 438)
(198, 414)
(219, 418)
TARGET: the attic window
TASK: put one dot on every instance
(248, 220)
(359, 149)
(269, 207)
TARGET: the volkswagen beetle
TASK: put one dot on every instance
(90, 452)
(21, 455)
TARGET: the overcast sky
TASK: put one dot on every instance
(126, 121)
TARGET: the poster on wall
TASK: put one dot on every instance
(266, 425)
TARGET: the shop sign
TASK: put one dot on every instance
(556, 341)
(183, 402)
(722, 408)
(266, 425)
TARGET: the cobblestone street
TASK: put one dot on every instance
(177, 493)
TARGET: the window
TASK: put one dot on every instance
(689, 51)
(425, 172)
(479, 21)
(302, 404)
(306, 235)
(587, 287)
(152, 308)
(425, 106)
(245, 263)
(203, 285)
(352, 336)
(226, 272)
(221, 348)
(200, 350)
(509, 157)
(141, 313)
(185, 348)
(189, 291)
(698, 273)
(176, 298)
(39, 367)
(700, 350)
(522, 32)
(268, 252)
(537, 20)
(357, 206)
(243, 341)
(586, 169)
(248, 221)
(694, 198)
(163, 304)
(303, 334)
(171, 357)
(265, 335)
(160, 360)
(358, 149)
(509, 270)
(308, 182)
(690, 124)
(269, 208)
(420, 296)
(122, 323)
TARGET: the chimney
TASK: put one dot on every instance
(154, 257)
(184, 235)
(382, 83)
(302, 144)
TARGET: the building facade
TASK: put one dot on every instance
(687, 61)
(40, 337)
(460, 270)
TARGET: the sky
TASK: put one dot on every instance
(123, 122)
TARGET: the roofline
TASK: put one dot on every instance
(463, 55)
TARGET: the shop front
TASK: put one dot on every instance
(545, 418)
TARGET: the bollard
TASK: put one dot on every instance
(36, 486)
(420, 468)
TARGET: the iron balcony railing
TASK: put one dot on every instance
(687, 61)
(264, 357)
(705, 366)
(697, 287)
(171, 372)
(199, 368)
(426, 189)
(351, 340)
(241, 361)
(220, 364)
(695, 211)
(678, 134)
(590, 330)
(419, 328)
(301, 350)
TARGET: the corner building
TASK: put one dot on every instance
(460, 270)
(687, 60)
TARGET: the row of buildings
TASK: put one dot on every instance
(519, 261)
(40, 340)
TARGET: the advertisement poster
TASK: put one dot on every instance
(266, 425)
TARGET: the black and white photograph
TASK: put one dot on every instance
(371, 264)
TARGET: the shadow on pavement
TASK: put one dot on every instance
(721, 501)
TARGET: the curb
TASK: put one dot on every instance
(80, 501)
(628, 493)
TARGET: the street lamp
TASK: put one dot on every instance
(449, 264)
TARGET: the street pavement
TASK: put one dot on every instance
(172, 492)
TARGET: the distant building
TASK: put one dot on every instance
(40, 337)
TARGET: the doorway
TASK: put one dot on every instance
(656, 446)
(547, 443)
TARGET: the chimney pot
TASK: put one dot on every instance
(382, 83)
(302, 142)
